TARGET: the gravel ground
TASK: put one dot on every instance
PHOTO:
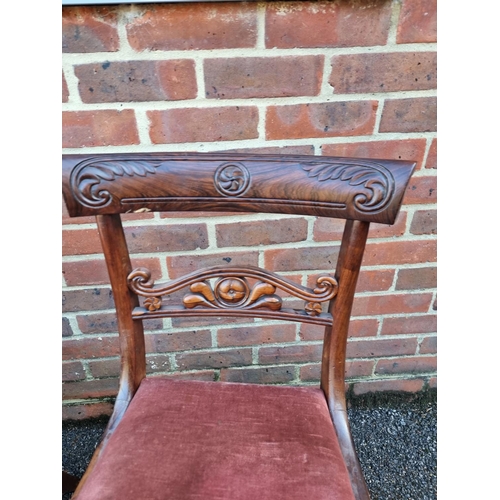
(395, 436)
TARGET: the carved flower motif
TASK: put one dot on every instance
(232, 290)
(313, 308)
(152, 303)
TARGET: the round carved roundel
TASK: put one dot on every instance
(232, 179)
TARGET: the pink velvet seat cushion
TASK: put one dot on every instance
(186, 440)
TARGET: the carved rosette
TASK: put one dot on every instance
(376, 183)
(87, 176)
(232, 179)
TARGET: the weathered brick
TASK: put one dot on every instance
(432, 383)
(409, 325)
(417, 114)
(429, 345)
(354, 369)
(388, 72)
(381, 347)
(330, 119)
(290, 354)
(194, 322)
(391, 304)
(81, 242)
(99, 128)
(90, 347)
(421, 190)
(86, 411)
(279, 150)
(326, 24)
(194, 26)
(414, 385)
(400, 252)
(94, 272)
(298, 259)
(89, 29)
(203, 124)
(424, 222)
(90, 299)
(417, 22)
(65, 91)
(422, 364)
(258, 233)
(417, 278)
(178, 341)
(100, 388)
(107, 323)
(369, 281)
(183, 264)
(72, 371)
(111, 367)
(326, 229)
(214, 359)
(204, 375)
(402, 149)
(66, 328)
(248, 77)
(244, 336)
(270, 375)
(137, 81)
(432, 155)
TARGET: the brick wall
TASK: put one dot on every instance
(336, 78)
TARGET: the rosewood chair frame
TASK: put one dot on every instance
(358, 190)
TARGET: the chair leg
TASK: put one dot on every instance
(69, 482)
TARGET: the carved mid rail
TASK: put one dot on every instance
(235, 291)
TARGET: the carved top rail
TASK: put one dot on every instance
(348, 188)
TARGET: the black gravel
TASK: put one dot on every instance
(395, 437)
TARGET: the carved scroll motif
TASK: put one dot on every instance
(232, 179)
(232, 290)
(87, 176)
(376, 180)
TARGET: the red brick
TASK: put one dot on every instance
(369, 281)
(90, 347)
(327, 24)
(183, 264)
(105, 368)
(406, 149)
(206, 375)
(432, 155)
(414, 385)
(89, 29)
(410, 366)
(428, 345)
(85, 411)
(417, 278)
(101, 388)
(99, 128)
(203, 124)
(400, 252)
(290, 354)
(354, 369)
(279, 150)
(388, 72)
(381, 347)
(409, 325)
(432, 383)
(65, 91)
(391, 304)
(418, 114)
(298, 259)
(330, 119)
(424, 222)
(214, 359)
(194, 26)
(267, 232)
(417, 22)
(81, 242)
(248, 77)
(137, 81)
(66, 328)
(326, 229)
(178, 341)
(72, 371)
(94, 272)
(193, 322)
(90, 299)
(107, 323)
(270, 375)
(421, 190)
(244, 336)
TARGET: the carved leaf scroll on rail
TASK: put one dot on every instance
(232, 290)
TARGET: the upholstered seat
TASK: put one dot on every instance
(182, 440)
